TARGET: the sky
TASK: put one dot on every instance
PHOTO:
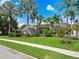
(46, 8)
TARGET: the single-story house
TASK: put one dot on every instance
(29, 30)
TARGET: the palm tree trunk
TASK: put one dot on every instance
(37, 22)
(67, 19)
(40, 22)
(9, 19)
(78, 18)
(67, 16)
(71, 23)
(9, 26)
(34, 19)
(28, 23)
(27, 19)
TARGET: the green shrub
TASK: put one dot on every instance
(61, 31)
(13, 34)
(68, 30)
(66, 42)
(48, 33)
(18, 33)
(25, 35)
(35, 35)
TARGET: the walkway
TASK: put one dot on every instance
(8, 53)
(62, 51)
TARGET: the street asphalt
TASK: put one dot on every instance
(8, 53)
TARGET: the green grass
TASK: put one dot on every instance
(49, 41)
(36, 52)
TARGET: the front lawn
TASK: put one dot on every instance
(50, 41)
(36, 52)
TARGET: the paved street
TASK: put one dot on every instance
(8, 53)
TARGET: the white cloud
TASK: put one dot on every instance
(17, 3)
(3, 1)
(50, 8)
(20, 23)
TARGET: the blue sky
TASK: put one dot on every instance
(46, 8)
(43, 4)
(42, 8)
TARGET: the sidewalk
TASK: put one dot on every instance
(62, 51)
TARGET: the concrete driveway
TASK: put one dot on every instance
(8, 53)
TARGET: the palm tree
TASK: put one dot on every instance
(33, 14)
(56, 19)
(77, 7)
(9, 11)
(4, 21)
(33, 10)
(29, 8)
(51, 21)
(25, 8)
(72, 12)
(37, 18)
(40, 18)
(65, 4)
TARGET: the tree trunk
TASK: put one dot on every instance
(40, 22)
(67, 15)
(67, 19)
(28, 23)
(28, 19)
(37, 22)
(9, 19)
(9, 30)
(71, 24)
(78, 18)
